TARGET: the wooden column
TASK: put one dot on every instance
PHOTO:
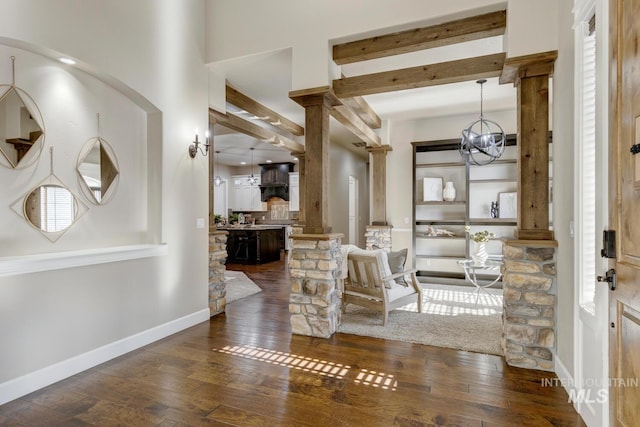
(531, 75)
(301, 192)
(379, 184)
(317, 103)
(212, 174)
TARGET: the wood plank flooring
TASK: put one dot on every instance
(244, 368)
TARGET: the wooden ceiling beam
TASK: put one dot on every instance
(339, 111)
(537, 64)
(364, 110)
(345, 115)
(265, 114)
(249, 128)
(458, 31)
(425, 75)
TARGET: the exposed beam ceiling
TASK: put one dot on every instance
(458, 31)
(355, 124)
(265, 114)
(528, 66)
(339, 111)
(422, 76)
(239, 124)
(364, 111)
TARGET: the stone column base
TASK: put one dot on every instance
(314, 302)
(217, 259)
(378, 236)
(529, 286)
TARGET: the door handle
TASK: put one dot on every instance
(609, 277)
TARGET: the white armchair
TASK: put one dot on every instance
(369, 283)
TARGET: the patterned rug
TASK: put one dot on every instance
(239, 286)
(451, 318)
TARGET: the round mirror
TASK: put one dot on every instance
(98, 170)
(21, 129)
(50, 208)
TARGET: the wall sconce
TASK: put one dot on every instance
(193, 148)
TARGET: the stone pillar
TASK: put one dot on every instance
(379, 184)
(529, 286)
(378, 236)
(316, 291)
(217, 259)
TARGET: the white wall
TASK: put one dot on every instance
(344, 163)
(153, 50)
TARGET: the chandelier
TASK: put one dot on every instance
(217, 181)
(253, 180)
(483, 141)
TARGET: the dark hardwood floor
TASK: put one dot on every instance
(245, 368)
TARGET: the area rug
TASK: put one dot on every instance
(451, 318)
(239, 286)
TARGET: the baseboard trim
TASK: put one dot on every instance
(21, 386)
(566, 379)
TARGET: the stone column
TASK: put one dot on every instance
(217, 259)
(316, 291)
(378, 236)
(529, 286)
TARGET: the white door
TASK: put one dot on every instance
(589, 391)
(353, 210)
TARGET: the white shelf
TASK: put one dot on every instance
(15, 265)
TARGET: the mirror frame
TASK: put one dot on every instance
(105, 150)
(34, 152)
(19, 207)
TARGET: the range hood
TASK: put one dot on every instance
(274, 180)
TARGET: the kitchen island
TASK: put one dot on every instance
(253, 244)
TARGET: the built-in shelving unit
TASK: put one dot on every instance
(476, 187)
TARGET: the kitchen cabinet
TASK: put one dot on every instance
(294, 191)
(244, 197)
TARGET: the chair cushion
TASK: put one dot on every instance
(397, 260)
(398, 291)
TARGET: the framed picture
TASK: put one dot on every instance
(508, 205)
(432, 189)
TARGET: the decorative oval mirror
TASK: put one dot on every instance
(98, 170)
(50, 208)
(21, 128)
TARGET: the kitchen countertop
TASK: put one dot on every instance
(252, 227)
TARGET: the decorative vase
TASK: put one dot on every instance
(479, 254)
(449, 192)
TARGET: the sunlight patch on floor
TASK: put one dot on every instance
(315, 366)
(452, 302)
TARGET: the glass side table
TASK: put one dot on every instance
(472, 269)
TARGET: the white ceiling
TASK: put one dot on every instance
(267, 79)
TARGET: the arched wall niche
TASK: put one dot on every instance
(69, 97)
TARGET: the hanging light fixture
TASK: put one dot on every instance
(217, 181)
(252, 179)
(483, 141)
